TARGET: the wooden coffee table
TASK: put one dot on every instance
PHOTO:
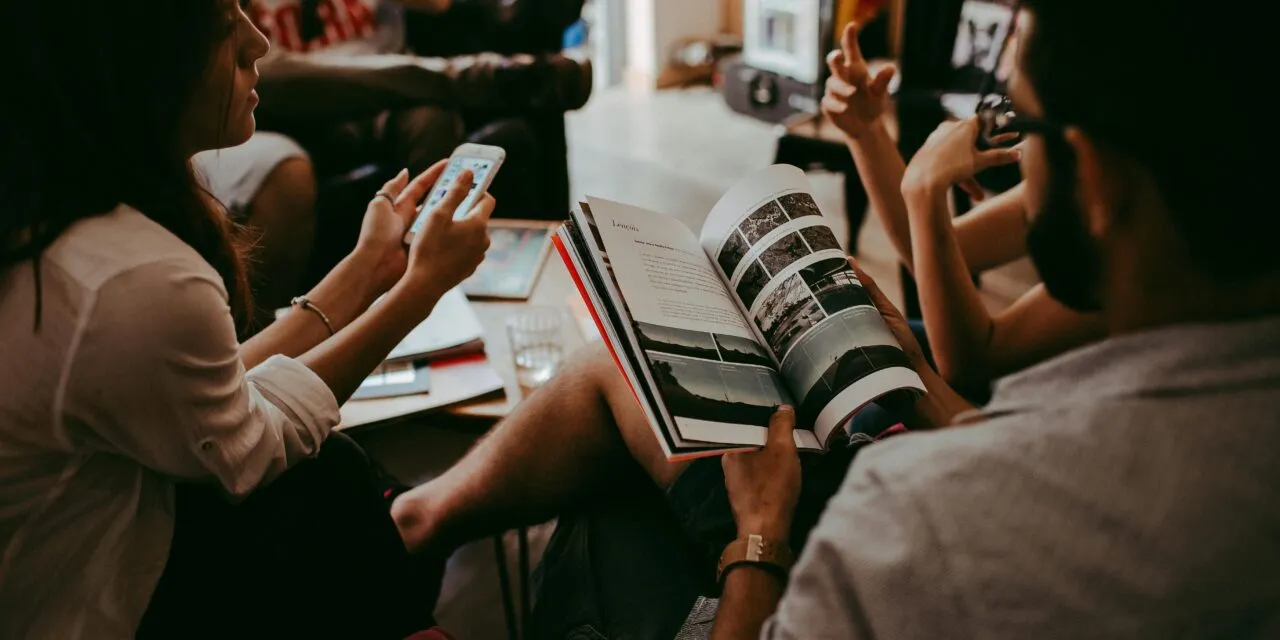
(554, 289)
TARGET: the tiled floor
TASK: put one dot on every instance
(674, 152)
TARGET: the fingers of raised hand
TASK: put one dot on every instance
(443, 212)
(1001, 138)
(880, 85)
(849, 42)
(391, 189)
(835, 62)
(973, 189)
(421, 185)
(839, 88)
(483, 208)
(996, 158)
(881, 301)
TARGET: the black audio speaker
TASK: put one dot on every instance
(782, 69)
(765, 95)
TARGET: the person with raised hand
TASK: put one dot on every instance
(970, 345)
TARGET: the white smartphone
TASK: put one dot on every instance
(482, 160)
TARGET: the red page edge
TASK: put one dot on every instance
(604, 337)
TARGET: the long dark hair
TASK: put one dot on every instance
(92, 119)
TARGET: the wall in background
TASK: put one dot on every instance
(652, 26)
(607, 39)
(731, 17)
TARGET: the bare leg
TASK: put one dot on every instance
(282, 218)
(564, 443)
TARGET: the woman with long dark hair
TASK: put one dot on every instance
(157, 478)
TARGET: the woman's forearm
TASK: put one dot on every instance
(342, 296)
(880, 168)
(957, 322)
(346, 359)
(939, 406)
(994, 232)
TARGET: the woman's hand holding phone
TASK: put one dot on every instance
(446, 251)
(380, 251)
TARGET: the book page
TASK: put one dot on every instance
(715, 379)
(452, 329)
(792, 280)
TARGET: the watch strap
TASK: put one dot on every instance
(756, 550)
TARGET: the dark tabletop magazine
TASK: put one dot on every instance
(714, 332)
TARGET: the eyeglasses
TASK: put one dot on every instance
(998, 119)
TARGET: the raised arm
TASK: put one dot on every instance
(855, 102)
(970, 346)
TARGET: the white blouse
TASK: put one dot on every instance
(132, 382)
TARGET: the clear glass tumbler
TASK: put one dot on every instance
(536, 337)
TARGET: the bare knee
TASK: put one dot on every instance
(599, 368)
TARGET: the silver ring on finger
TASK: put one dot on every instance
(391, 200)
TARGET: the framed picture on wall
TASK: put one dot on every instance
(784, 36)
(985, 26)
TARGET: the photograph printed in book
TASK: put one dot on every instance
(787, 313)
(783, 252)
(820, 239)
(734, 250)
(845, 348)
(763, 221)
(835, 285)
(711, 377)
(799, 205)
(752, 283)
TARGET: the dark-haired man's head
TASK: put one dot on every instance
(1150, 204)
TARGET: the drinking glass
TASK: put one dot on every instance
(536, 347)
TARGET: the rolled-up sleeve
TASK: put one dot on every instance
(155, 375)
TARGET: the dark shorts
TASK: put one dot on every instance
(633, 567)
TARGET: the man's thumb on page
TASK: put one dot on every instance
(781, 427)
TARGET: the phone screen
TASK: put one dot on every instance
(480, 168)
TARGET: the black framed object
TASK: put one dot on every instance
(782, 70)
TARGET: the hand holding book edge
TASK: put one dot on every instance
(940, 403)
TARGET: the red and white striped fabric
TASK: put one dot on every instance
(345, 26)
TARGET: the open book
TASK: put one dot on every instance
(714, 331)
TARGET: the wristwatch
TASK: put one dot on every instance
(775, 557)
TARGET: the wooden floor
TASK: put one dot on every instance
(674, 152)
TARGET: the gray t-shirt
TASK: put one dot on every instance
(1130, 489)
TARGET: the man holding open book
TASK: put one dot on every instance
(1126, 489)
